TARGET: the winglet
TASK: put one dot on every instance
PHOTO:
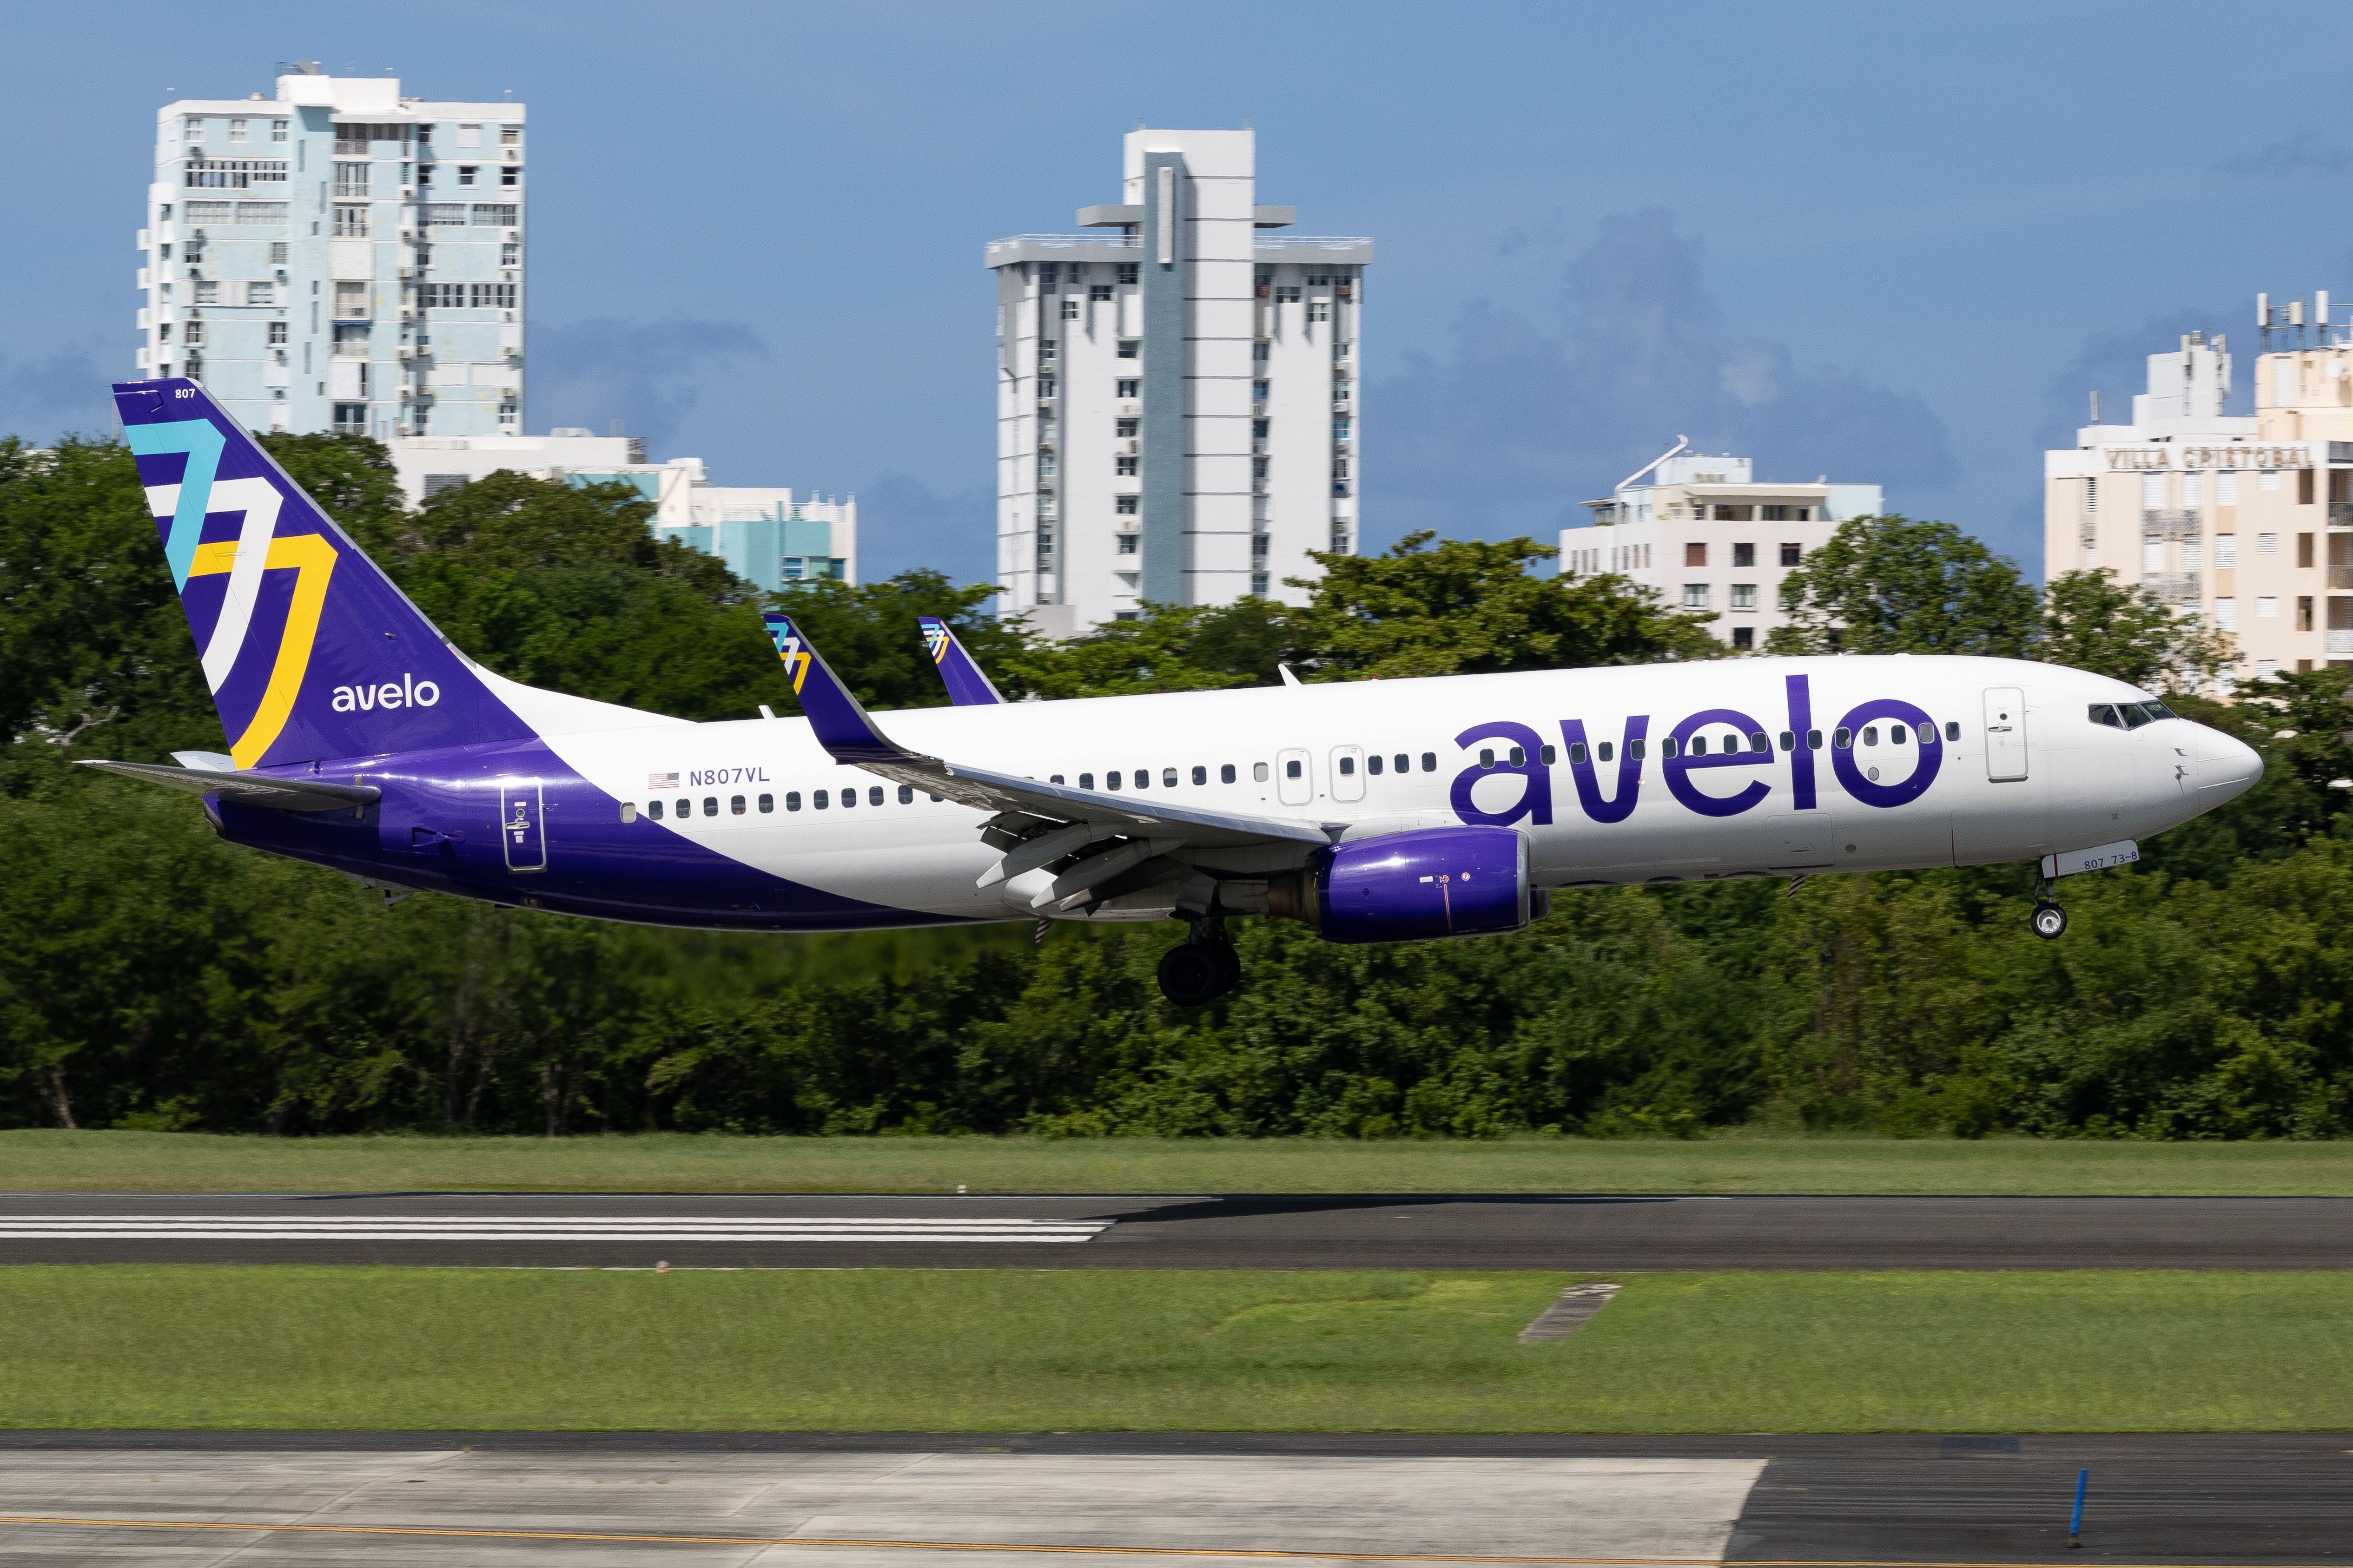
(968, 685)
(836, 718)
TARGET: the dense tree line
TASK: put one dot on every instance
(151, 975)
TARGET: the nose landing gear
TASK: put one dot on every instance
(2049, 920)
(1201, 969)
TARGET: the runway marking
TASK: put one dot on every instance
(536, 1228)
(477, 1534)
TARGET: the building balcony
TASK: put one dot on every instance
(2340, 514)
(2340, 641)
(2340, 576)
(2173, 587)
(2169, 522)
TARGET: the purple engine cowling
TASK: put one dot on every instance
(1434, 882)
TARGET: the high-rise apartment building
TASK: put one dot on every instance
(2244, 519)
(1175, 392)
(1709, 537)
(340, 258)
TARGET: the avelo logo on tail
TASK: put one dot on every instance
(788, 648)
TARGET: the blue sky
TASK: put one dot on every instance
(1888, 242)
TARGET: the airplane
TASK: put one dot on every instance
(362, 740)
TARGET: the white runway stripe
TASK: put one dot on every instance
(534, 1228)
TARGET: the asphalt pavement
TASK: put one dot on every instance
(638, 1231)
(1007, 1500)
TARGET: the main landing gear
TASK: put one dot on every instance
(2049, 920)
(1202, 968)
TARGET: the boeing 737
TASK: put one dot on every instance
(361, 740)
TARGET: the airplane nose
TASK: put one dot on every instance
(2226, 768)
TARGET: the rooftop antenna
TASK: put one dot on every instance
(2320, 315)
(1681, 442)
(2096, 406)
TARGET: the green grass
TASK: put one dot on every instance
(188, 1162)
(137, 1346)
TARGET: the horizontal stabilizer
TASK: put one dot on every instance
(249, 789)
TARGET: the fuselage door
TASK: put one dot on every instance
(1292, 784)
(2005, 722)
(1348, 773)
(523, 833)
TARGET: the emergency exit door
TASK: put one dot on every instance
(2005, 730)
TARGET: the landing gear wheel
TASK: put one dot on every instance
(1198, 971)
(2049, 920)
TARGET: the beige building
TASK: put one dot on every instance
(2246, 520)
(1710, 537)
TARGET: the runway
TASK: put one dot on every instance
(642, 1231)
(895, 1501)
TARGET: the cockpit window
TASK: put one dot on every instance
(2129, 715)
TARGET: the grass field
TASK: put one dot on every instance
(132, 1346)
(185, 1161)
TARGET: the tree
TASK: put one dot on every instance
(1471, 607)
(1888, 584)
(1168, 648)
(2093, 622)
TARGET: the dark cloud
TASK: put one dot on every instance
(41, 399)
(1514, 426)
(2305, 152)
(903, 523)
(646, 372)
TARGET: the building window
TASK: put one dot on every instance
(1339, 428)
(2226, 551)
(1125, 388)
(1340, 391)
(1100, 293)
(1124, 464)
(2226, 489)
(491, 296)
(1123, 428)
(198, 214)
(466, 172)
(1695, 555)
(509, 135)
(1744, 636)
(1743, 595)
(495, 214)
(1339, 467)
(1319, 309)
(351, 418)
(351, 179)
(194, 333)
(1286, 294)
(2267, 544)
(1258, 585)
(278, 131)
(351, 223)
(510, 176)
(444, 214)
(351, 339)
(2304, 608)
(2267, 608)
(1045, 386)
(1125, 505)
(1071, 307)
(1744, 555)
(1127, 271)
(1694, 596)
(1791, 554)
(2226, 614)
(1128, 348)
(1259, 466)
(207, 291)
(2303, 542)
(441, 296)
(277, 334)
(352, 301)
(1127, 544)
(1046, 464)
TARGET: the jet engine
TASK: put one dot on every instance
(1413, 887)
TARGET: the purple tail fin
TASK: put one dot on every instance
(838, 718)
(311, 651)
(968, 686)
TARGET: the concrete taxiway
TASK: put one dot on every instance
(1011, 1501)
(627, 1231)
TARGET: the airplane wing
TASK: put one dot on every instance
(246, 788)
(968, 685)
(1034, 824)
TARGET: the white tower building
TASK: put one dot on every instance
(1176, 409)
(340, 258)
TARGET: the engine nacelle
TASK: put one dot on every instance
(1414, 887)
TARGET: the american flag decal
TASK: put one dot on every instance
(661, 781)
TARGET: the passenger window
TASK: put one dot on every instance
(792, 800)
(1788, 741)
(685, 808)
(1549, 755)
(1200, 775)
(1577, 753)
(1871, 735)
(1486, 758)
(1897, 734)
(1290, 769)
(1813, 740)
(848, 798)
(735, 806)
(1634, 749)
(1086, 781)
(1144, 778)
(1519, 757)
(1050, 778)
(1843, 739)
(1169, 778)
(1429, 761)
(1257, 771)
(1757, 741)
(874, 795)
(907, 794)
(1347, 767)
(1226, 773)
(653, 809)
(710, 806)
(1668, 747)
(1927, 733)
(767, 805)
(821, 800)
(1404, 763)
(1111, 779)
(1698, 746)
(629, 812)
(1373, 764)
(1952, 730)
